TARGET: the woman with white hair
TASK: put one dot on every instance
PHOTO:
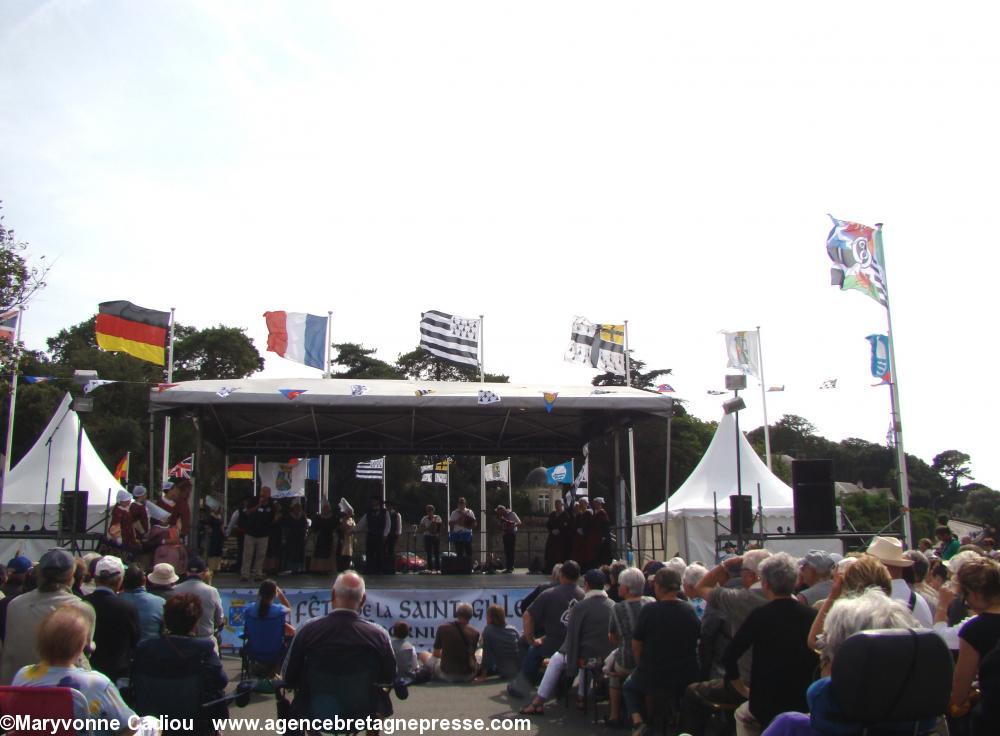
(872, 609)
(624, 615)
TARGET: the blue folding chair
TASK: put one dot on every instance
(264, 644)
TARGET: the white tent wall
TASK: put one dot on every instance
(53, 459)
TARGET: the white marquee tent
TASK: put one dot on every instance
(52, 460)
(690, 518)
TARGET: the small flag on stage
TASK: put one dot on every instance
(550, 399)
(856, 253)
(226, 391)
(297, 336)
(359, 390)
(38, 379)
(161, 387)
(121, 469)
(370, 469)
(240, 471)
(451, 338)
(124, 327)
(498, 472)
(771, 389)
(8, 324)
(95, 383)
(880, 358)
(664, 388)
(830, 383)
(291, 393)
(488, 397)
(423, 391)
(599, 346)
(183, 469)
(561, 473)
(715, 392)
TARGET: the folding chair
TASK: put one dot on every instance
(41, 702)
(264, 643)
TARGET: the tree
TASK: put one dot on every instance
(639, 379)
(214, 352)
(953, 466)
(421, 365)
(359, 362)
(982, 504)
(19, 281)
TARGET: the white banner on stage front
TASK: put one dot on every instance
(423, 610)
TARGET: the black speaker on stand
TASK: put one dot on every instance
(814, 497)
(741, 514)
(73, 512)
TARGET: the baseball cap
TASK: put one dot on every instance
(819, 560)
(595, 579)
(56, 560)
(109, 567)
(20, 564)
(196, 565)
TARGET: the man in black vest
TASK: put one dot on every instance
(116, 633)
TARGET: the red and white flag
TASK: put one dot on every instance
(182, 469)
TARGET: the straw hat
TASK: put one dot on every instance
(890, 551)
(163, 574)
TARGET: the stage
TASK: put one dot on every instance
(401, 581)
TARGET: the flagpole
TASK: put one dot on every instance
(447, 491)
(166, 419)
(897, 423)
(763, 398)
(128, 466)
(324, 460)
(482, 509)
(482, 350)
(383, 478)
(628, 363)
(510, 488)
(13, 402)
(225, 491)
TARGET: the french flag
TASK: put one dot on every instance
(297, 336)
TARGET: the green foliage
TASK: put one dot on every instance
(19, 281)
(980, 504)
(215, 352)
(639, 378)
(421, 365)
(953, 466)
(358, 361)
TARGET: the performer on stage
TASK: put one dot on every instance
(560, 537)
(121, 532)
(375, 524)
(509, 523)
(431, 525)
(582, 521)
(395, 522)
(600, 534)
(460, 524)
(323, 526)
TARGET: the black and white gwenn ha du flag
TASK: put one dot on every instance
(450, 338)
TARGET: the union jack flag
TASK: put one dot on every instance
(183, 469)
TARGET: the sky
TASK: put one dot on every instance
(668, 165)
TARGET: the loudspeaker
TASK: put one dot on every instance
(813, 496)
(456, 565)
(73, 506)
(741, 514)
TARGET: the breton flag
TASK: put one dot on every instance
(455, 339)
(124, 327)
(370, 469)
(436, 473)
(856, 251)
(240, 471)
(121, 469)
(182, 469)
(8, 324)
(599, 346)
(743, 351)
(498, 472)
(297, 336)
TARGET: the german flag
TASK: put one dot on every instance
(240, 471)
(124, 327)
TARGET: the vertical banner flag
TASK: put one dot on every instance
(240, 471)
(451, 338)
(8, 324)
(436, 473)
(123, 327)
(297, 336)
(183, 469)
(880, 358)
(498, 472)
(561, 473)
(599, 346)
(743, 351)
(285, 480)
(370, 469)
(121, 469)
(857, 257)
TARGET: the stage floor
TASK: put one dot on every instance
(402, 581)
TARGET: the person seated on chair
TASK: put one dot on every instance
(547, 612)
(55, 573)
(845, 615)
(783, 663)
(454, 655)
(180, 652)
(117, 631)
(62, 637)
(148, 606)
(267, 608)
(816, 574)
(586, 639)
(341, 637)
(664, 645)
(625, 614)
(501, 654)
